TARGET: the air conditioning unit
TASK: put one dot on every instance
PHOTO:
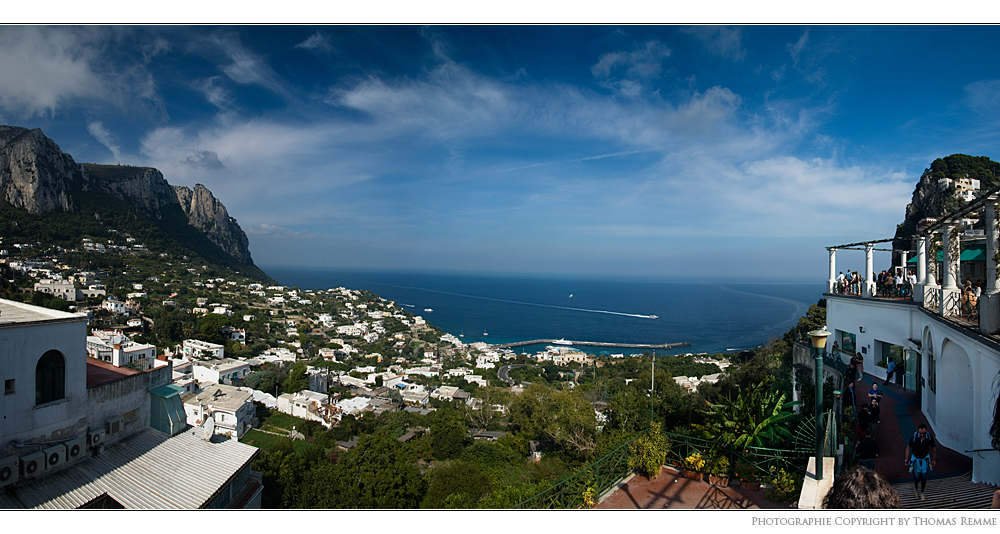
(95, 438)
(54, 456)
(113, 426)
(8, 470)
(32, 464)
(75, 448)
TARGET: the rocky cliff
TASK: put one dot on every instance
(934, 193)
(207, 214)
(34, 173)
(37, 176)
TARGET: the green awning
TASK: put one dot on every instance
(969, 254)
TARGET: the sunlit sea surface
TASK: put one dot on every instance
(502, 309)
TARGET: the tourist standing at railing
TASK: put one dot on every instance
(880, 284)
(890, 369)
(912, 279)
(841, 283)
(899, 284)
(968, 299)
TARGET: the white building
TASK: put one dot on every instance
(116, 348)
(951, 366)
(65, 417)
(58, 288)
(194, 348)
(231, 409)
(113, 305)
(225, 371)
(308, 405)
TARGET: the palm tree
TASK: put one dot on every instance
(757, 417)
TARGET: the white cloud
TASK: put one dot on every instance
(795, 49)
(45, 68)
(97, 129)
(983, 96)
(318, 42)
(644, 62)
(276, 232)
(248, 68)
(722, 41)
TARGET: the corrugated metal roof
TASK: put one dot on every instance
(146, 471)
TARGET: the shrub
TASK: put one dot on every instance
(784, 487)
(719, 467)
(649, 452)
(746, 472)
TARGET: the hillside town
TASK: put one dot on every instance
(222, 352)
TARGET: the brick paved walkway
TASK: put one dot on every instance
(672, 491)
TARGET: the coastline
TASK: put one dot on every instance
(714, 318)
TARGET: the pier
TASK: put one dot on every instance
(566, 343)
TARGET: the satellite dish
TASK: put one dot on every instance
(209, 428)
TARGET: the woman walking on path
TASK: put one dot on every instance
(922, 456)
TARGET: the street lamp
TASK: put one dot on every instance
(819, 345)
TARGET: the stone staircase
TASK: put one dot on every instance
(947, 493)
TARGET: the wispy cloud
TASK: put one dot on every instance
(725, 41)
(246, 67)
(576, 160)
(795, 49)
(103, 136)
(272, 231)
(318, 42)
(983, 96)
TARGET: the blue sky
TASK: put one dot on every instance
(671, 151)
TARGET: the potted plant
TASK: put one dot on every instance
(693, 465)
(785, 487)
(718, 471)
(749, 480)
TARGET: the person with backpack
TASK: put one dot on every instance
(867, 452)
(874, 416)
(921, 454)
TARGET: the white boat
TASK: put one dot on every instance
(562, 342)
(428, 310)
(653, 317)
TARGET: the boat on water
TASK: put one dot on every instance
(653, 317)
(428, 310)
(562, 342)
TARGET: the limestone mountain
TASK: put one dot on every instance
(48, 197)
(207, 214)
(34, 174)
(940, 190)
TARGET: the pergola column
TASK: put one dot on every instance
(989, 305)
(950, 296)
(869, 289)
(918, 289)
(831, 284)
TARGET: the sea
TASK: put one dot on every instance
(712, 317)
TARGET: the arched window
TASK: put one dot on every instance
(50, 377)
